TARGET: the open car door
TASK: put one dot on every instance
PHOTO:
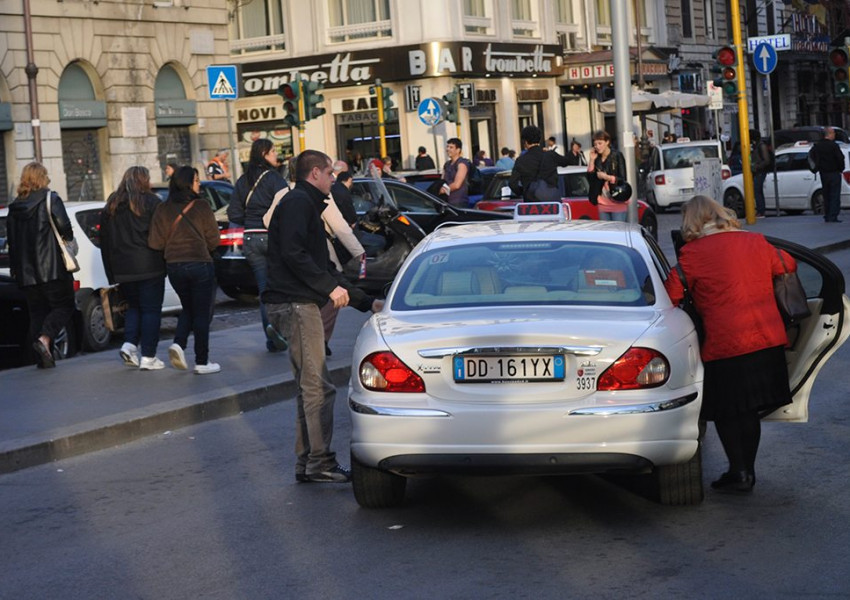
(817, 337)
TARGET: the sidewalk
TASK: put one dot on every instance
(92, 401)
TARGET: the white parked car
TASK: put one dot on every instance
(548, 348)
(799, 188)
(670, 179)
(91, 278)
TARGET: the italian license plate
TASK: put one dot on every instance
(495, 369)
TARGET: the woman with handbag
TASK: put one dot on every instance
(184, 228)
(606, 168)
(744, 347)
(138, 269)
(253, 196)
(36, 226)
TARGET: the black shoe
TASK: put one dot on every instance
(337, 474)
(44, 355)
(302, 478)
(277, 341)
(737, 482)
(327, 350)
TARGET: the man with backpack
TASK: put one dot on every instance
(762, 164)
(829, 162)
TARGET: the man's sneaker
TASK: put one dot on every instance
(151, 363)
(129, 354)
(275, 338)
(207, 368)
(177, 357)
(337, 474)
(302, 478)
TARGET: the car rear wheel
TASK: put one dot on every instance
(734, 200)
(680, 485)
(650, 199)
(64, 343)
(96, 335)
(374, 488)
(817, 203)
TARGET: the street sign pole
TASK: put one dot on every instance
(382, 127)
(302, 115)
(622, 91)
(235, 163)
(772, 143)
(743, 113)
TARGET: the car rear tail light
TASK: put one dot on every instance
(76, 286)
(725, 173)
(846, 176)
(659, 180)
(231, 237)
(384, 372)
(636, 369)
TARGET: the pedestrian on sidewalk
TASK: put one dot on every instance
(606, 167)
(253, 195)
(762, 164)
(35, 259)
(138, 269)
(217, 168)
(302, 279)
(744, 347)
(184, 227)
(829, 159)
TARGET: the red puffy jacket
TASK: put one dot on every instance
(730, 275)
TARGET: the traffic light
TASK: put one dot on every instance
(291, 92)
(312, 98)
(387, 103)
(726, 66)
(452, 106)
(839, 61)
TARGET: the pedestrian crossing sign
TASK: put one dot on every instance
(223, 82)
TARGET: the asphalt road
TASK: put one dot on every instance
(212, 511)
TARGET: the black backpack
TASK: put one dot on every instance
(475, 179)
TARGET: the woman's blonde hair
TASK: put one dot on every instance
(33, 178)
(700, 211)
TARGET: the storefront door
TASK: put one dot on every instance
(81, 158)
(358, 138)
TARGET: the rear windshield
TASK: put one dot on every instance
(521, 273)
(686, 156)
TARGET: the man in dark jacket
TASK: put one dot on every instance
(535, 172)
(423, 161)
(830, 161)
(762, 164)
(301, 279)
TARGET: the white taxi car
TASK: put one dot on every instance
(547, 348)
(799, 188)
(670, 177)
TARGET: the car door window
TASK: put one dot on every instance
(576, 185)
(410, 200)
(362, 196)
(89, 221)
(784, 162)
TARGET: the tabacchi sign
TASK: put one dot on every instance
(437, 59)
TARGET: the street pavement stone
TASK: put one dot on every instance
(93, 401)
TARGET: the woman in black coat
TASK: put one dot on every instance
(129, 262)
(606, 168)
(35, 259)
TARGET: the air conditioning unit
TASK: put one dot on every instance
(567, 40)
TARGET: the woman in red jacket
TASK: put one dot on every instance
(730, 275)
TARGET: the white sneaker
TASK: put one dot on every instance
(151, 363)
(207, 368)
(129, 354)
(178, 359)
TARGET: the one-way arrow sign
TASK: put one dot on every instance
(764, 58)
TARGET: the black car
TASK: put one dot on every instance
(15, 345)
(236, 279)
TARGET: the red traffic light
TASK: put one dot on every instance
(728, 74)
(289, 91)
(839, 58)
(725, 56)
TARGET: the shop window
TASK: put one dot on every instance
(478, 16)
(687, 20)
(568, 24)
(256, 26)
(81, 158)
(351, 20)
(174, 115)
(524, 18)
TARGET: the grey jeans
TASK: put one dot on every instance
(301, 324)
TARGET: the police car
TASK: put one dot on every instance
(546, 345)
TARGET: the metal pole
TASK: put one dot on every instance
(382, 128)
(302, 115)
(32, 72)
(743, 113)
(234, 160)
(772, 143)
(623, 93)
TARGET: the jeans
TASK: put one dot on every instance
(613, 216)
(51, 306)
(255, 247)
(144, 312)
(301, 324)
(194, 283)
(831, 183)
(758, 188)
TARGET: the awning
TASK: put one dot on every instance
(649, 103)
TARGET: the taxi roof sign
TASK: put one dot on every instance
(541, 211)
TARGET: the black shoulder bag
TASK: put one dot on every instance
(687, 305)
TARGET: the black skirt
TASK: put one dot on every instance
(757, 381)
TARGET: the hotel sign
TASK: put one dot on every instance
(436, 59)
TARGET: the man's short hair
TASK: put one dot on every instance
(422, 150)
(340, 166)
(531, 134)
(343, 177)
(552, 138)
(455, 142)
(506, 151)
(309, 160)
